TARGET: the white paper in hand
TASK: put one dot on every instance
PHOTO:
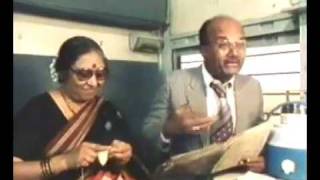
(103, 157)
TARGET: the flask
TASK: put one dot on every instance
(286, 149)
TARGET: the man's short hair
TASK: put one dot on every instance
(203, 32)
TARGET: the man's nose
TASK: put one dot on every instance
(233, 50)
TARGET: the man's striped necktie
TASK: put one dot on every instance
(225, 130)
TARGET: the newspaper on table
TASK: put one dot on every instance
(217, 157)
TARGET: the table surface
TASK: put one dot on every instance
(235, 176)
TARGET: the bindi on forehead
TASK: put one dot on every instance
(95, 66)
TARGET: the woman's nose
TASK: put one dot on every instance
(93, 81)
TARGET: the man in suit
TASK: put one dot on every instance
(186, 109)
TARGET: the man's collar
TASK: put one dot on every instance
(208, 78)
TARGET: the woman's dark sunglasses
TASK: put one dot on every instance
(86, 74)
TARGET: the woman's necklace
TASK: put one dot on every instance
(73, 113)
(67, 103)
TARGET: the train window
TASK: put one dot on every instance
(191, 60)
(277, 68)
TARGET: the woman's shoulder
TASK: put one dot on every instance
(32, 109)
(110, 109)
(38, 100)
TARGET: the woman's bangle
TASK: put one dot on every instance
(46, 171)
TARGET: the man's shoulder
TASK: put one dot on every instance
(185, 73)
(246, 79)
(245, 82)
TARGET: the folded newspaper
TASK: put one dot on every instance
(218, 157)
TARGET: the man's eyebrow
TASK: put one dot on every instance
(222, 38)
(225, 38)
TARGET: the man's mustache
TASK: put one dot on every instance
(232, 60)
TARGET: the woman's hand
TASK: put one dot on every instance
(120, 151)
(255, 164)
(83, 156)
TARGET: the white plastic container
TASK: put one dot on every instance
(286, 150)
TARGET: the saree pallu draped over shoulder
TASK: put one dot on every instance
(74, 133)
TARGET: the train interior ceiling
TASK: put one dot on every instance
(147, 39)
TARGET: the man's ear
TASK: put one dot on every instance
(204, 51)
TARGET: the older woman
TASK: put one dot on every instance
(59, 134)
